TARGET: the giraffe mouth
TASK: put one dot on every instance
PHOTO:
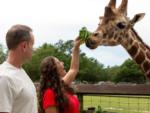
(91, 44)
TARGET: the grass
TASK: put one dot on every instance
(119, 104)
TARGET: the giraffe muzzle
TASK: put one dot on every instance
(91, 44)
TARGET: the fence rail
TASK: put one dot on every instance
(122, 89)
(125, 94)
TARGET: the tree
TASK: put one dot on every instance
(130, 72)
(90, 69)
(32, 67)
(2, 54)
(112, 72)
(64, 47)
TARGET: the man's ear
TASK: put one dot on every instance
(137, 18)
(23, 45)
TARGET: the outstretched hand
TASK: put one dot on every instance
(77, 42)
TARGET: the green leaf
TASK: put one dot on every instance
(84, 34)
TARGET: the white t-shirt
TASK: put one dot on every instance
(17, 91)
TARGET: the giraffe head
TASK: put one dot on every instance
(114, 26)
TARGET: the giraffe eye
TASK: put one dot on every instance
(96, 34)
(121, 25)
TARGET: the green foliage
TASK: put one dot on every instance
(130, 72)
(64, 47)
(99, 109)
(2, 54)
(62, 50)
(84, 34)
(32, 67)
(112, 72)
(91, 70)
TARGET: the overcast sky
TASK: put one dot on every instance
(52, 20)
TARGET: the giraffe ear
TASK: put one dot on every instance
(137, 18)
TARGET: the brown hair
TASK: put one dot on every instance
(17, 34)
(51, 79)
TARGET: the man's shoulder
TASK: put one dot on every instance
(9, 73)
(2, 65)
(5, 70)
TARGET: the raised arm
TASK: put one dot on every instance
(74, 66)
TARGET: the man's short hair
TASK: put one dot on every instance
(17, 34)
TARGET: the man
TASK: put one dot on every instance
(17, 91)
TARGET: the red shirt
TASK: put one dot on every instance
(49, 100)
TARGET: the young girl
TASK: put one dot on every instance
(55, 93)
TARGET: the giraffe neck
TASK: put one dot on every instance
(139, 51)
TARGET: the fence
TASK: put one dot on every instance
(120, 98)
(118, 103)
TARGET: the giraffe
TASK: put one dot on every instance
(115, 28)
